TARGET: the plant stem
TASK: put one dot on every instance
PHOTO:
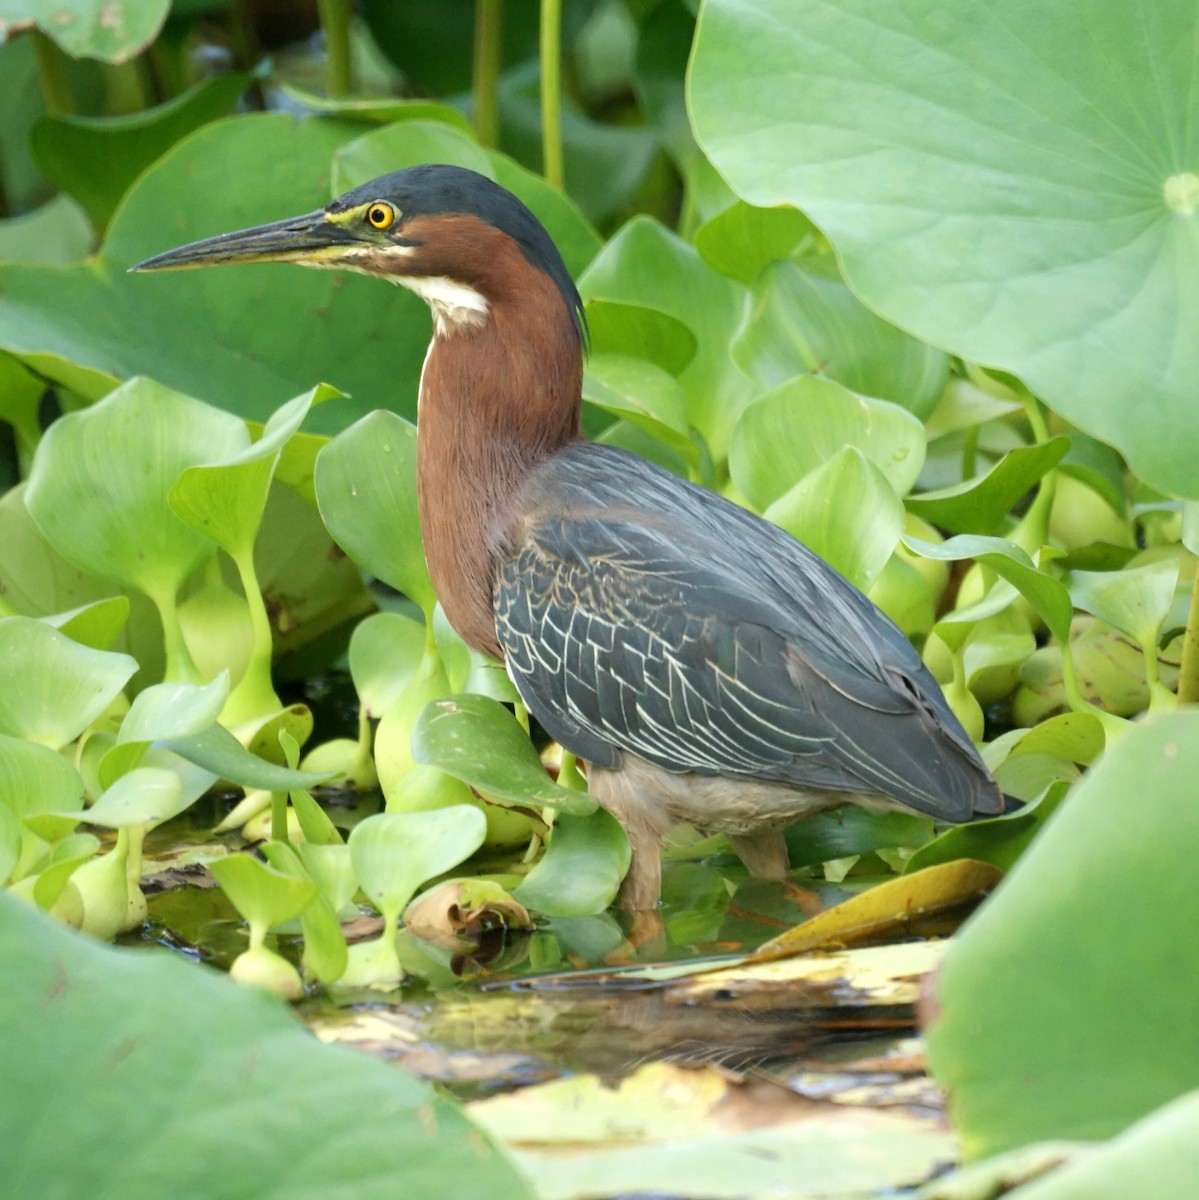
(569, 775)
(1188, 674)
(180, 668)
(335, 21)
(553, 166)
(970, 453)
(52, 75)
(486, 72)
(279, 817)
(254, 695)
(522, 714)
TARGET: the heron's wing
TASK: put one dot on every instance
(630, 627)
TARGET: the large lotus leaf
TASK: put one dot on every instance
(805, 423)
(409, 143)
(648, 265)
(100, 479)
(98, 1039)
(67, 149)
(112, 30)
(1037, 1035)
(246, 338)
(806, 321)
(1017, 183)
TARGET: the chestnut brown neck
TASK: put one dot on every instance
(498, 395)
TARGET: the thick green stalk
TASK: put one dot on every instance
(52, 75)
(254, 695)
(1188, 675)
(553, 164)
(180, 668)
(335, 22)
(485, 77)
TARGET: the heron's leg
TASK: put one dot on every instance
(644, 822)
(764, 853)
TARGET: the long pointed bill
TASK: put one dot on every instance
(312, 238)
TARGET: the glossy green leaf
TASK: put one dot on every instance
(1045, 237)
(117, 523)
(1046, 594)
(385, 650)
(805, 422)
(218, 751)
(366, 489)
(262, 894)
(479, 741)
(96, 625)
(636, 331)
(102, 1036)
(54, 688)
(173, 710)
(225, 498)
(980, 505)
(376, 110)
(143, 796)
(1037, 1037)
(964, 405)
(35, 783)
(67, 148)
(643, 394)
(1135, 601)
(856, 539)
(805, 321)
(647, 265)
(111, 30)
(20, 397)
(742, 240)
(394, 853)
(580, 873)
(851, 830)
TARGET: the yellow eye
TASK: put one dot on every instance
(381, 215)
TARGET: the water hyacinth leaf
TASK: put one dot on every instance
(1046, 594)
(331, 868)
(805, 422)
(467, 670)
(376, 110)
(143, 796)
(980, 505)
(805, 321)
(580, 872)
(964, 405)
(856, 539)
(63, 146)
(1036, 1037)
(96, 625)
(118, 524)
(10, 840)
(385, 650)
(69, 855)
(851, 830)
(366, 490)
(743, 239)
(1098, 466)
(55, 234)
(394, 853)
(108, 1049)
(173, 710)
(218, 751)
(635, 331)
(36, 782)
(262, 894)
(479, 741)
(54, 687)
(1135, 601)
(646, 264)
(20, 395)
(1042, 238)
(643, 394)
(314, 821)
(997, 840)
(224, 498)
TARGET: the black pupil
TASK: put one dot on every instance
(378, 216)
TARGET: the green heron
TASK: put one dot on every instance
(708, 667)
